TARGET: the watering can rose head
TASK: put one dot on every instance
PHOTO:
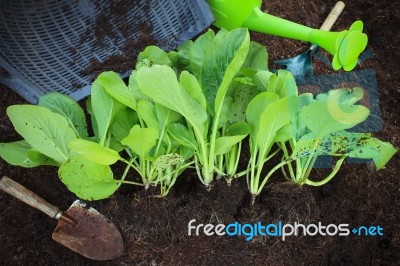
(349, 45)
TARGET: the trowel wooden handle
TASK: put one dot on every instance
(25, 195)
(333, 16)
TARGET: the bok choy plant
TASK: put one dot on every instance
(48, 130)
(268, 113)
(204, 98)
(140, 130)
(325, 120)
(303, 128)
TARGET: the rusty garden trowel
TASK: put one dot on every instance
(83, 230)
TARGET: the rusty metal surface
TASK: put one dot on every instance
(93, 236)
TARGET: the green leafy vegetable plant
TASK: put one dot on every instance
(303, 128)
(55, 133)
(268, 113)
(200, 103)
(202, 89)
(155, 155)
(325, 120)
(192, 108)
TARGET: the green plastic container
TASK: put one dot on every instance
(345, 46)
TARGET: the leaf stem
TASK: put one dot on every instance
(238, 151)
(286, 154)
(202, 155)
(310, 167)
(273, 170)
(329, 177)
(130, 163)
(122, 180)
(271, 155)
(129, 182)
(308, 162)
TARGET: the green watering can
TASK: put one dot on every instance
(345, 46)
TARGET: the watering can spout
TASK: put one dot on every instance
(345, 46)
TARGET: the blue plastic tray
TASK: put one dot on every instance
(45, 45)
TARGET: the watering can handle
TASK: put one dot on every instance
(333, 16)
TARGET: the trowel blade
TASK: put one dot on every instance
(92, 236)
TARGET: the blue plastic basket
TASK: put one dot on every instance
(46, 45)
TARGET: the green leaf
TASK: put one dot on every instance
(166, 116)
(147, 112)
(186, 152)
(243, 80)
(372, 148)
(338, 143)
(282, 84)
(285, 133)
(104, 109)
(285, 84)
(226, 111)
(355, 145)
(275, 116)
(124, 120)
(117, 88)
(233, 135)
(256, 60)
(40, 158)
(221, 63)
(133, 86)
(20, 153)
(141, 140)
(116, 145)
(182, 135)
(192, 86)
(303, 100)
(241, 97)
(265, 81)
(47, 132)
(152, 55)
(198, 50)
(343, 96)
(67, 107)
(94, 152)
(324, 117)
(255, 109)
(87, 179)
(160, 84)
(295, 129)
(184, 53)
(174, 57)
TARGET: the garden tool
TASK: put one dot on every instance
(301, 65)
(345, 46)
(81, 229)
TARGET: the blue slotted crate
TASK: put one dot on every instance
(45, 45)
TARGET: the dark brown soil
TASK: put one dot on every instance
(155, 229)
